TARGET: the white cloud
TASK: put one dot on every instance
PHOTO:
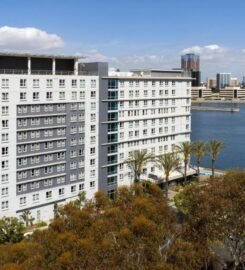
(208, 52)
(94, 55)
(28, 39)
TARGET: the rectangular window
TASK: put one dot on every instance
(22, 82)
(93, 83)
(49, 95)
(35, 95)
(22, 201)
(5, 83)
(49, 194)
(35, 197)
(5, 96)
(49, 83)
(82, 83)
(62, 83)
(74, 83)
(5, 205)
(73, 95)
(35, 83)
(22, 95)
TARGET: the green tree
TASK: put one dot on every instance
(214, 148)
(199, 150)
(167, 163)
(137, 162)
(11, 230)
(185, 148)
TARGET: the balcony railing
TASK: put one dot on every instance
(46, 72)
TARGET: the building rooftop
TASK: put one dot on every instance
(156, 74)
(34, 55)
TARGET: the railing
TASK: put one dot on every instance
(46, 72)
(13, 71)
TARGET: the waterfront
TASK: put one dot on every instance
(225, 126)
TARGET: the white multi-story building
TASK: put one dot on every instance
(49, 113)
(147, 109)
(68, 127)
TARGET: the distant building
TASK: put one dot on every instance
(230, 92)
(243, 81)
(191, 62)
(234, 82)
(223, 80)
(201, 92)
(211, 83)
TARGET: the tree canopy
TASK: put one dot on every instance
(139, 230)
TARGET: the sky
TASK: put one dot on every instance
(130, 33)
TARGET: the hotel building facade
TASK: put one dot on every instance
(68, 127)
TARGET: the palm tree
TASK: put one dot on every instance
(186, 149)
(199, 150)
(214, 148)
(27, 218)
(137, 161)
(167, 163)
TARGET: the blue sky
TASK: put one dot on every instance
(129, 34)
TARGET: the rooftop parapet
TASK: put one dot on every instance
(40, 64)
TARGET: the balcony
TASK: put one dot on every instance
(45, 72)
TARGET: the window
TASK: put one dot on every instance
(93, 83)
(49, 95)
(82, 94)
(93, 94)
(62, 83)
(5, 164)
(35, 95)
(22, 95)
(22, 82)
(5, 110)
(82, 83)
(48, 169)
(74, 83)
(35, 197)
(35, 83)
(92, 150)
(92, 184)
(61, 95)
(22, 201)
(61, 191)
(92, 173)
(5, 137)
(5, 96)
(5, 205)
(5, 83)
(73, 95)
(5, 151)
(49, 194)
(5, 191)
(92, 117)
(49, 83)
(5, 178)
(73, 188)
(92, 139)
(92, 162)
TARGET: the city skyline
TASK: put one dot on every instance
(139, 34)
